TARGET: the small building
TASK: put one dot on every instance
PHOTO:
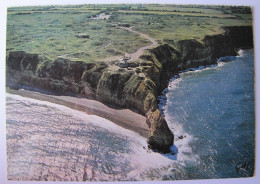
(123, 62)
(127, 56)
(126, 62)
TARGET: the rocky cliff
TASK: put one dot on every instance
(135, 88)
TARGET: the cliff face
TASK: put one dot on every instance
(191, 53)
(60, 76)
(133, 88)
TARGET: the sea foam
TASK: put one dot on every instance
(181, 148)
(133, 161)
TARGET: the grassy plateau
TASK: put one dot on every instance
(54, 31)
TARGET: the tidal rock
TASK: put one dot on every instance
(160, 136)
(181, 137)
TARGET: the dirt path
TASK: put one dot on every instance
(139, 52)
(134, 56)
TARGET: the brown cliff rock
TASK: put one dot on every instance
(136, 89)
(160, 136)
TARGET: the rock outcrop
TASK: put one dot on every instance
(160, 137)
(136, 89)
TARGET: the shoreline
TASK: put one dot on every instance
(163, 97)
(135, 89)
(122, 117)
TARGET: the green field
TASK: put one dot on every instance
(52, 30)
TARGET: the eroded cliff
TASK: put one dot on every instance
(136, 88)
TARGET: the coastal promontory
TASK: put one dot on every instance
(121, 55)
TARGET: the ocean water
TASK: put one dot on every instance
(214, 110)
(50, 142)
(210, 111)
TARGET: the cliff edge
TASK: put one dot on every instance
(135, 87)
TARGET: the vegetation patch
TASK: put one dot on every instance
(76, 32)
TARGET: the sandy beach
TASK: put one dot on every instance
(122, 117)
(51, 142)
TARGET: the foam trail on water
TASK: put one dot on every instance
(189, 156)
(93, 145)
(182, 149)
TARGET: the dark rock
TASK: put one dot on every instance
(181, 137)
(64, 69)
(23, 62)
(240, 36)
(123, 64)
(227, 58)
(132, 64)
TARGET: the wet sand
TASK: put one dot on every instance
(122, 117)
(50, 142)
